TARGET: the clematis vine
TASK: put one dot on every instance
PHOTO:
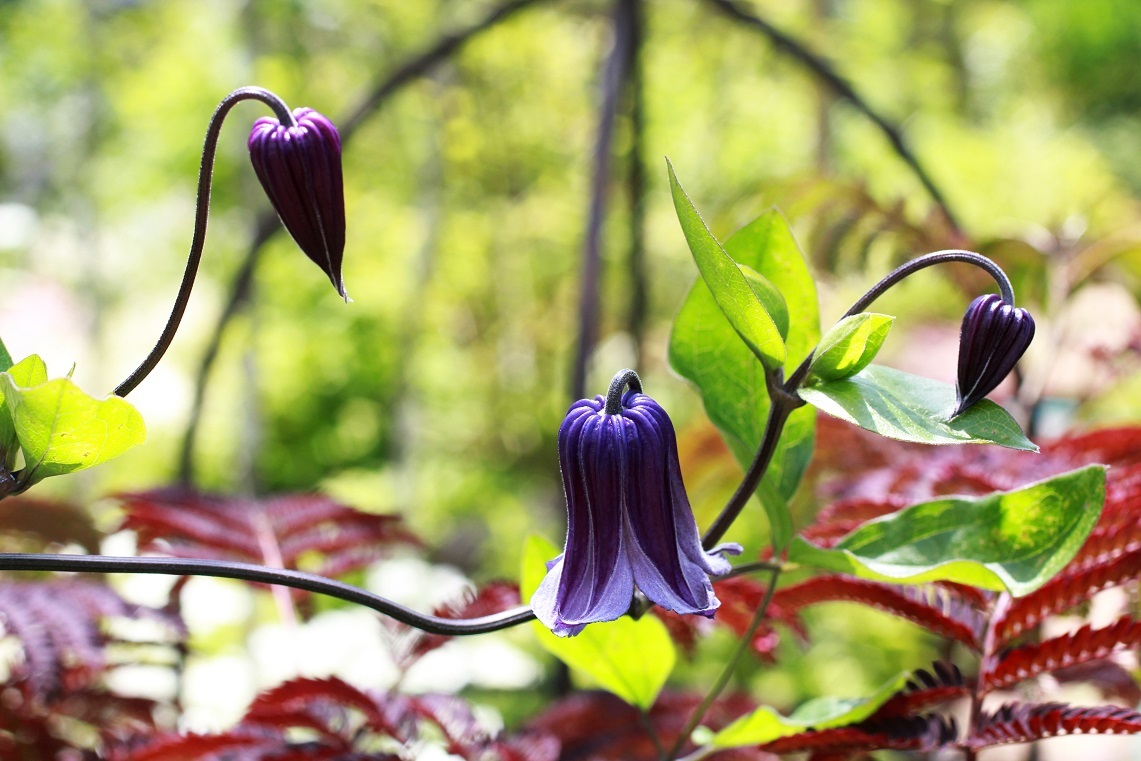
(629, 522)
(994, 336)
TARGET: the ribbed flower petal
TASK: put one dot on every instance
(593, 580)
(670, 567)
(629, 522)
(994, 336)
(300, 169)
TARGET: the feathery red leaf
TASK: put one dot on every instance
(1085, 644)
(1020, 722)
(937, 609)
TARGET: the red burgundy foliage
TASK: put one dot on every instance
(412, 644)
(54, 694)
(330, 720)
(306, 532)
(597, 726)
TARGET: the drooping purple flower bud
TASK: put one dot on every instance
(629, 523)
(993, 338)
(300, 169)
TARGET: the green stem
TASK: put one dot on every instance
(727, 672)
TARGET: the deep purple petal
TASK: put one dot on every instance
(670, 566)
(993, 337)
(629, 521)
(593, 582)
(300, 169)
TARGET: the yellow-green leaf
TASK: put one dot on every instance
(61, 429)
(765, 725)
(629, 658)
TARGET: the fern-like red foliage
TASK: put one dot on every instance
(855, 468)
(306, 532)
(54, 700)
(330, 720)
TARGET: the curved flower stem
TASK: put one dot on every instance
(201, 213)
(928, 260)
(622, 379)
(280, 576)
(899, 273)
(783, 402)
(730, 668)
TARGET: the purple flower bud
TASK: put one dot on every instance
(993, 338)
(629, 522)
(300, 169)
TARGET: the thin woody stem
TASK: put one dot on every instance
(730, 668)
(783, 404)
(614, 75)
(201, 214)
(308, 582)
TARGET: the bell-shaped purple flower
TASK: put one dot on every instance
(629, 523)
(300, 168)
(993, 338)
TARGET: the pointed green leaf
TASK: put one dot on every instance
(61, 429)
(849, 346)
(912, 408)
(730, 289)
(769, 296)
(706, 351)
(629, 658)
(765, 725)
(1014, 541)
(5, 358)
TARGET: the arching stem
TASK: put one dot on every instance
(201, 213)
(308, 582)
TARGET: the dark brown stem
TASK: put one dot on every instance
(285, 577)
(444, 47)
(201, 214)
(905, 270)
(613, 75)
(823, 69)
(782, 405)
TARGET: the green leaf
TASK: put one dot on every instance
(705, 350)
(849, 346)
(729, 286)
(629, 658)
(5, 358)
(31, 371)
(770, 297)
(911, 408)
(765, 725)
(61, 429)
(1014, 541)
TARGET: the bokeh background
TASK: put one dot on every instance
(438, 391)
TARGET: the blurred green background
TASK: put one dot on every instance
(438, 392)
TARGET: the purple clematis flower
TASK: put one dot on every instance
(629, 523)
(993, 338)
(299, 167)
